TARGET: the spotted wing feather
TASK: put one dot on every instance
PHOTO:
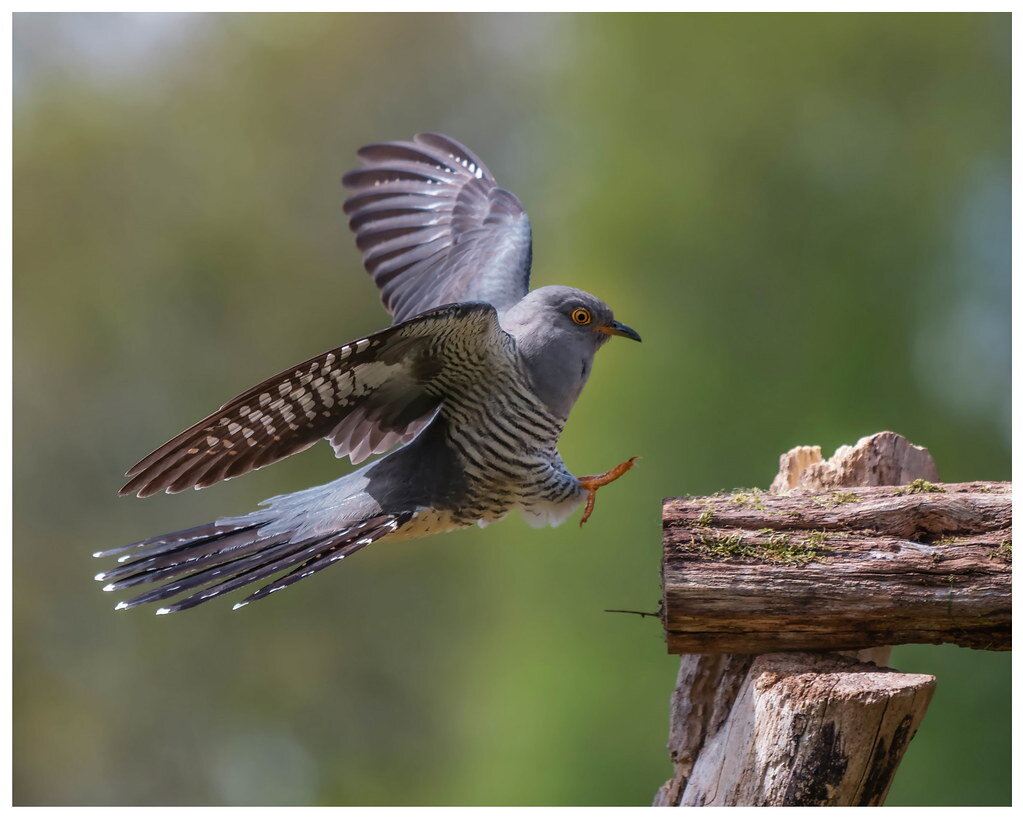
(434, 228)
(364, 397)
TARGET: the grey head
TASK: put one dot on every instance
(558, 330)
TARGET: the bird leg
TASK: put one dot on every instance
(591, 483)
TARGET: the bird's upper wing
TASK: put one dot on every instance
(434, 228)
(364, 397)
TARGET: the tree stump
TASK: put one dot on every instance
(815, 567)
(800, 729)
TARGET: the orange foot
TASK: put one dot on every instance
(591, 483)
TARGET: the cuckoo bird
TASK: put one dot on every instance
(473, 383)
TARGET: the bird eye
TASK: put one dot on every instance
(581, 316)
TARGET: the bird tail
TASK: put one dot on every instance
(210, 560)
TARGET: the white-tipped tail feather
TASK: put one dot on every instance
(209, 561)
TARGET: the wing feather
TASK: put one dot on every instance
(435, 229)
(364, 398)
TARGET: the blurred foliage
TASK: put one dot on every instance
(806, 216)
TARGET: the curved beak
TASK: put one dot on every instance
(616, 328)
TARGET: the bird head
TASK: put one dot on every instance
(558, 330)
(567, 314)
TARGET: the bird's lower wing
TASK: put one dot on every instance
(364, 397)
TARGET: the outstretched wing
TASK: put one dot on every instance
(434, 228)
(364, 397)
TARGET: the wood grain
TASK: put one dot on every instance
(836, 570)
(793, 729)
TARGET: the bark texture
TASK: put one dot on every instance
(791, 729)
(833, 570)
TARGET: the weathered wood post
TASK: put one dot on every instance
(845, 556)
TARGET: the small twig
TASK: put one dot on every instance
(630, 611)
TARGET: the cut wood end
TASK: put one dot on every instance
(795, 729)
(833, 674)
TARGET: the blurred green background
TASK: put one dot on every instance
(806, 216)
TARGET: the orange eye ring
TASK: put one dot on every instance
(581, 316)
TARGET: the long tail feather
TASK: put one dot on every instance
(208, 561)
(168, 542)
(335, 551)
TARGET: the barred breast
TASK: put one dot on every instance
(506, 441)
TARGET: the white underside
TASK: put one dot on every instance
(550, 514)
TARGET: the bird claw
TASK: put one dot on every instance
(591, 483)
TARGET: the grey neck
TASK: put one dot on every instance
(557, 368)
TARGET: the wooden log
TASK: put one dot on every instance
(707, 714)
(830, 570)
(791, 729)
